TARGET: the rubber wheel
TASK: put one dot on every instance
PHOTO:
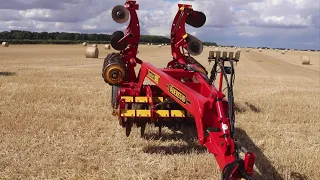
(113, 58)
(107, 61)
(114, 94)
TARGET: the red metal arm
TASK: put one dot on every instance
(178, 34)
(209, 109)
(132, 36)
(205, 107)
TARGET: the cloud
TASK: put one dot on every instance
(7, 15)
(282, 22)
(30, 4)
(248, 34)
(256, 22)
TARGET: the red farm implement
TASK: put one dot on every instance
(182, 93)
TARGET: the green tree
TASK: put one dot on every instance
(17, 36)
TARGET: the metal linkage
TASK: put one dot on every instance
(148, 113)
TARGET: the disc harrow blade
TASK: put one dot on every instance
(196, 19)
(116, 37)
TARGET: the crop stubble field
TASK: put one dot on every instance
(56, 122)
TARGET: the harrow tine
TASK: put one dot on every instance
(129, 125)
(160, 128)
(142, 130)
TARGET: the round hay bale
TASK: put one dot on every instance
(216, 49)
(283, 52)
(247, 50)
(84, 44)
(305, 60)
(92, 52)
(160, 46)
(107, 46)
(5, 44)
(260, 50)
(94, 45)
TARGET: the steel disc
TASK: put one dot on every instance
(196, 19)
(120, 14)
(195, 46)
(116, 37)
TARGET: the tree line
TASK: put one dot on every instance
(27, 37)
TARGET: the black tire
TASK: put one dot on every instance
(114, 94)
(112, 58)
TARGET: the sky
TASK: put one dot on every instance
(255, 23)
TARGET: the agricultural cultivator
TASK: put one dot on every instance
(182, 93)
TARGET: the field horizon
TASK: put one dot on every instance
(56, 122)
